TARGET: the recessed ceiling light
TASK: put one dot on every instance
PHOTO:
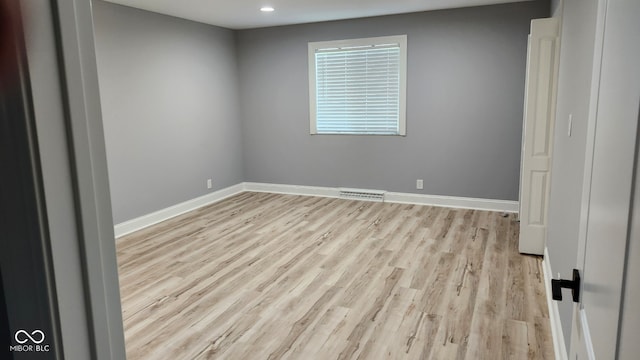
(267, 9)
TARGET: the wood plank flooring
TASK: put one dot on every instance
(268, 276)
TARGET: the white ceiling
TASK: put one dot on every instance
(246, 14)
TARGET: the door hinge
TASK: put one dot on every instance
(574, 285)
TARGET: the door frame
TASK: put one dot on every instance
(591, 133)
(579, 326)
(580, 333)
(64, 81)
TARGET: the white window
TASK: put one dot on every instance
(358, 86)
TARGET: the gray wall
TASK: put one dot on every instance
(183, 102)
(574, 86)
(464, 105)
(556, 8)
(169, 95)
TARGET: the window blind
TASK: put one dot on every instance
(358, 90)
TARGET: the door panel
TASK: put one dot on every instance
(611, 178)
(539, 120)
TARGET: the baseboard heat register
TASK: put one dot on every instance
(362, 194)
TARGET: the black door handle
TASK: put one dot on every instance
(574, 285)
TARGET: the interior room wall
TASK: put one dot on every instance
(169, 94)
(567, 172)
(184, 102)
(466, 72)
(556, 8)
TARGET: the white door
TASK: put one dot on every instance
(537, 137)
(609, 175)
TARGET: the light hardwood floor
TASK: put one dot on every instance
(266, 276)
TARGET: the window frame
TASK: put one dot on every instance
(401, 40)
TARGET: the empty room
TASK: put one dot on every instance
(321, 180)
(273, 272)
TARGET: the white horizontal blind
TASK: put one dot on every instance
(358, 90)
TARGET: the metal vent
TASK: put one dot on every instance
(360, 194)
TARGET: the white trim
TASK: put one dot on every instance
(393, 197)
(144, 221)
(586, 335)
(452, 202)
(371, 191)
(292, 189)
(559, 345)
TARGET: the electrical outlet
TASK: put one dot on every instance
(209, 183)
(419, 184)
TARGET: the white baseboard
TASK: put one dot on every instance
(393, 197)
(144, 221)
(292, 189)
(559, 345)
(452, 202)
